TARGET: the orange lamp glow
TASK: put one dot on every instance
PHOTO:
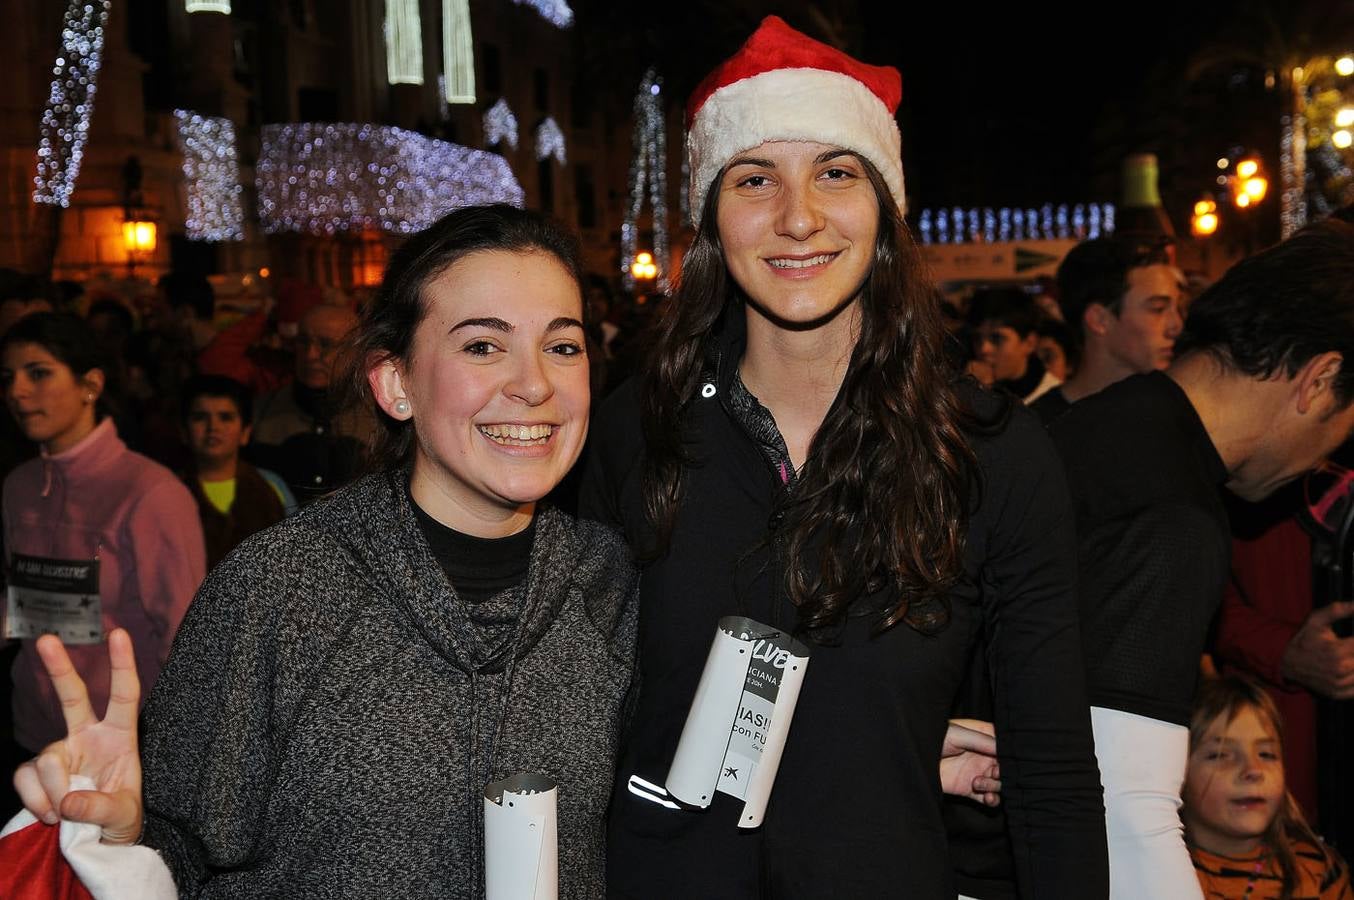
(644, 267)
(138, 236)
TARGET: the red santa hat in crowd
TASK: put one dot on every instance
(785, 86)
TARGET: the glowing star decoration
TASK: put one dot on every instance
(70, 103)
(404, 42)
(500, 125)
(556, 12)
(458, 52)
(323, 178)
(212, 6)
(987, 226)
(549, 141)
(648, 169)
(211, 175)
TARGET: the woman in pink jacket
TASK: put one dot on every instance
(96, 536)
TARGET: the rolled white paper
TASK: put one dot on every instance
(521, 839)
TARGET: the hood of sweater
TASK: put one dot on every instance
(381, 532)
(86, 462)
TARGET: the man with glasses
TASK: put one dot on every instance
(299, 432)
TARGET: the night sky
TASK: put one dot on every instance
(1018, 104)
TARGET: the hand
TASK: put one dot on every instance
(1319, 659)
(968, 761)
(105, 750)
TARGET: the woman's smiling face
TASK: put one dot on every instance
(496, 384)
(797, 222)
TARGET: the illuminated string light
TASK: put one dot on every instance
(549, 141)
(648, 169)
(556, 12)
(404, 42)
(500, 125)
(322, 178)
(211, 176)
(211, 6)
(1084, 221)
(458, 52)
(1292, 174)
(70, 103)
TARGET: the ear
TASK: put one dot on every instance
(385, 374)
(245, 433)
(93, 382)
(1316, 381)
(1097, 319)
(1029, 342)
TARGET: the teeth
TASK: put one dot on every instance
(801, 263)
(516, 433)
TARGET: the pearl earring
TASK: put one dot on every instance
(402, 407)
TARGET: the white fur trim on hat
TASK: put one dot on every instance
(792, 105)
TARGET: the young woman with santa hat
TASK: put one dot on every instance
(799, 453)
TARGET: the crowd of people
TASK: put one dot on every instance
(352, 600)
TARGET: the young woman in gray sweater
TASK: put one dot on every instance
(346, 683)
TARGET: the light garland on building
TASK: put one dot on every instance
(404, 42)
(211, 175)
(1292, 174)
(70, 103)
(959, 226)
(556, 12)
(549, 141)
(211, 6)
(500, 125)
(458, 52)
(648, 168)
(323, 178)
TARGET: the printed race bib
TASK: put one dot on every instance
(736, 729)
(54, 596)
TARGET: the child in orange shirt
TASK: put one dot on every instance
(1246, 835)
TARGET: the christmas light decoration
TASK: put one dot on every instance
(323, 178)
(549, 141)
(404, 42)
(500, 125)
(70, 103)
(648, 169)
(212, 6)
(959, 226)
(458, 52)
(211, 175)
(556, 12)
(1292, 174)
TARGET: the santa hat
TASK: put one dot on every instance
(785, 86)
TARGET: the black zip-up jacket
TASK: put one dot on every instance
(856, 808)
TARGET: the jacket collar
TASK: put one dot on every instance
(85, 460)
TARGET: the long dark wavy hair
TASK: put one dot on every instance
(884, 491)
(387, 326)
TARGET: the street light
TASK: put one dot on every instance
(644, 268)
(1345, 65)
(138, 237)
(1205, 220)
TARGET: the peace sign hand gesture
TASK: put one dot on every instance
(104, 750)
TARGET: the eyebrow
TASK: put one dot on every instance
(768, 164)
(492, 322)
(496, 324)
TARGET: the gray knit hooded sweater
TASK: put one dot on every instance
(311, 735)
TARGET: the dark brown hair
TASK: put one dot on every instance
(388, 323)
(1225, 698)
(884, 491)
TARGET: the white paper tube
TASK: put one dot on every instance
(521, 839)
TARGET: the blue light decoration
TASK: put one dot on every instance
(211, 177)
(70, 102)
(1083, 221)
(549, 141)
(648, 168)
(322, 178)
(556, 12)
(500, 125)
